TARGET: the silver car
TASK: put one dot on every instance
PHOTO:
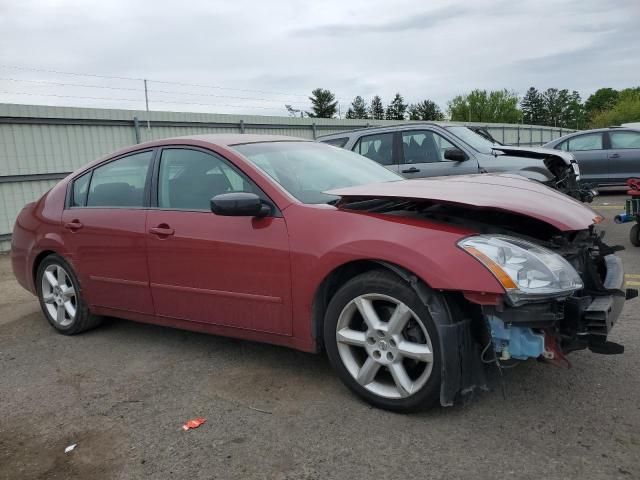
(430, 150)
(607, 156)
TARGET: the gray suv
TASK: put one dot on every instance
(607, 156)
(429, 150)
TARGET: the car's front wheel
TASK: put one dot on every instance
(61, 298)
(383, 342)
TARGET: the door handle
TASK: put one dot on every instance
(162, 230)
(614, 155)
(411, 170)
(74, 225)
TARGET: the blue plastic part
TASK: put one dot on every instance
(521, 343)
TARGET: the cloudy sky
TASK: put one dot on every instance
(252, 56)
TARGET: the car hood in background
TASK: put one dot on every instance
(507, 192)
(535, 152)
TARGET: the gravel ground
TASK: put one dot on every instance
(122, 392)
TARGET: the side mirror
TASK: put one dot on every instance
(239, 204)
(455, 154)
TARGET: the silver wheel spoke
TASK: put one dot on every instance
(51, 279)
(417, 351)
(71, 310)
(368, 371)
(369, 315)
(68, 292)
(401, 379)
(399, 318)
(48, 298)
(60, 314)
(62, 276)
(351, 337)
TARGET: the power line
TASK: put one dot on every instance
(136, 100)
(111, 77)
(84, 85)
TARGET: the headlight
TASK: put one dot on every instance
(525, 270)
(576, 170)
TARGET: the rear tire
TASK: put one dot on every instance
(383, 343)
(634, 235)
(61, 299)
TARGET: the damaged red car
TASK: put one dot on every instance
(410, 286)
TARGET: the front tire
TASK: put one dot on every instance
(383, 343)
(634, 235)
(60, 297)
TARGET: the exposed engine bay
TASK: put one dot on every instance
(503, 332)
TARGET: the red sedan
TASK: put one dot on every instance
(410, 286)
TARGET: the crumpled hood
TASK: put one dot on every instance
(536, 152)
(507, 192)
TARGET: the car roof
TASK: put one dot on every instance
(230, 139)
(399, 126)
(593, 130)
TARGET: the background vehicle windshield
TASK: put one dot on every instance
(307, 169)
(471, 138)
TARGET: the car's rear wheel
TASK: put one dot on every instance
(383, 342)
(61, 298)
(634, 235)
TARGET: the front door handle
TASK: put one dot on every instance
(411, 170)
(162, 230)
(614, 155)
(73, 225)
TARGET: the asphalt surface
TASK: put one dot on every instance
(121, 393)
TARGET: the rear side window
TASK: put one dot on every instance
(624, 140)
(189, 179)
(424, 147)
(376, 147)
(336, 142)
(592, 141)
(80, 190)
(120, 183)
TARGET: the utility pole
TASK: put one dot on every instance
(146, 101)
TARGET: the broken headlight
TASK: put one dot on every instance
(525, 270)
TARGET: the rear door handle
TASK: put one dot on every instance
(74, 225)
(162, 230)
(411, 170)
(614, 155)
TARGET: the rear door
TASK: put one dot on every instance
(230, 271)
(590, 153)
(104, 231)
(381, 148)
(624, 155)
(422, 155)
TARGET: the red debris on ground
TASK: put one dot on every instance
(195, 423)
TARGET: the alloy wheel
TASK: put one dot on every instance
(59, 295)
(384, 346)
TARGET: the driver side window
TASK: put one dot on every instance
(190, 178)
(424, 147)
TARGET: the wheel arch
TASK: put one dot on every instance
(37, 261)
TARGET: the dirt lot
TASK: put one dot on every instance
(121, 392)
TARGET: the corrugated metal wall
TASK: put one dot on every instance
(39, 144)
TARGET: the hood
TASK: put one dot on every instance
(535, 152)
(511, 193)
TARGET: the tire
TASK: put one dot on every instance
(391, 360)
(634, 235)
(60, 296)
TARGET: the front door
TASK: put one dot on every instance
(591, 157)
(104, 232)
(231, 271)
(423, 156)
(624, 155)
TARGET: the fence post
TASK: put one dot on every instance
(313, 127)
(241, 126)
(136, 128)
(518, 128)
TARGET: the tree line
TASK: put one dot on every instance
(551, 107)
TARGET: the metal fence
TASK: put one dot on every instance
(40, 144)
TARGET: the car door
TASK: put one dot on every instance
(623, 155)
(590, 153)
(381, 148)
(423, 156)
(105, 232)
(231, 271)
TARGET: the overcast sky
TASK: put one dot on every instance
(268, 53)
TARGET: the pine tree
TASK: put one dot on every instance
(396, 109)
(376, 110)
(358, 108)
(323, 104)
(425, 110)
(532, 106)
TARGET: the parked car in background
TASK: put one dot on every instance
(411, 287)
(607, 156)
(420, 150)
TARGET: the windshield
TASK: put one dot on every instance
(471, 138)
(307, 169)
